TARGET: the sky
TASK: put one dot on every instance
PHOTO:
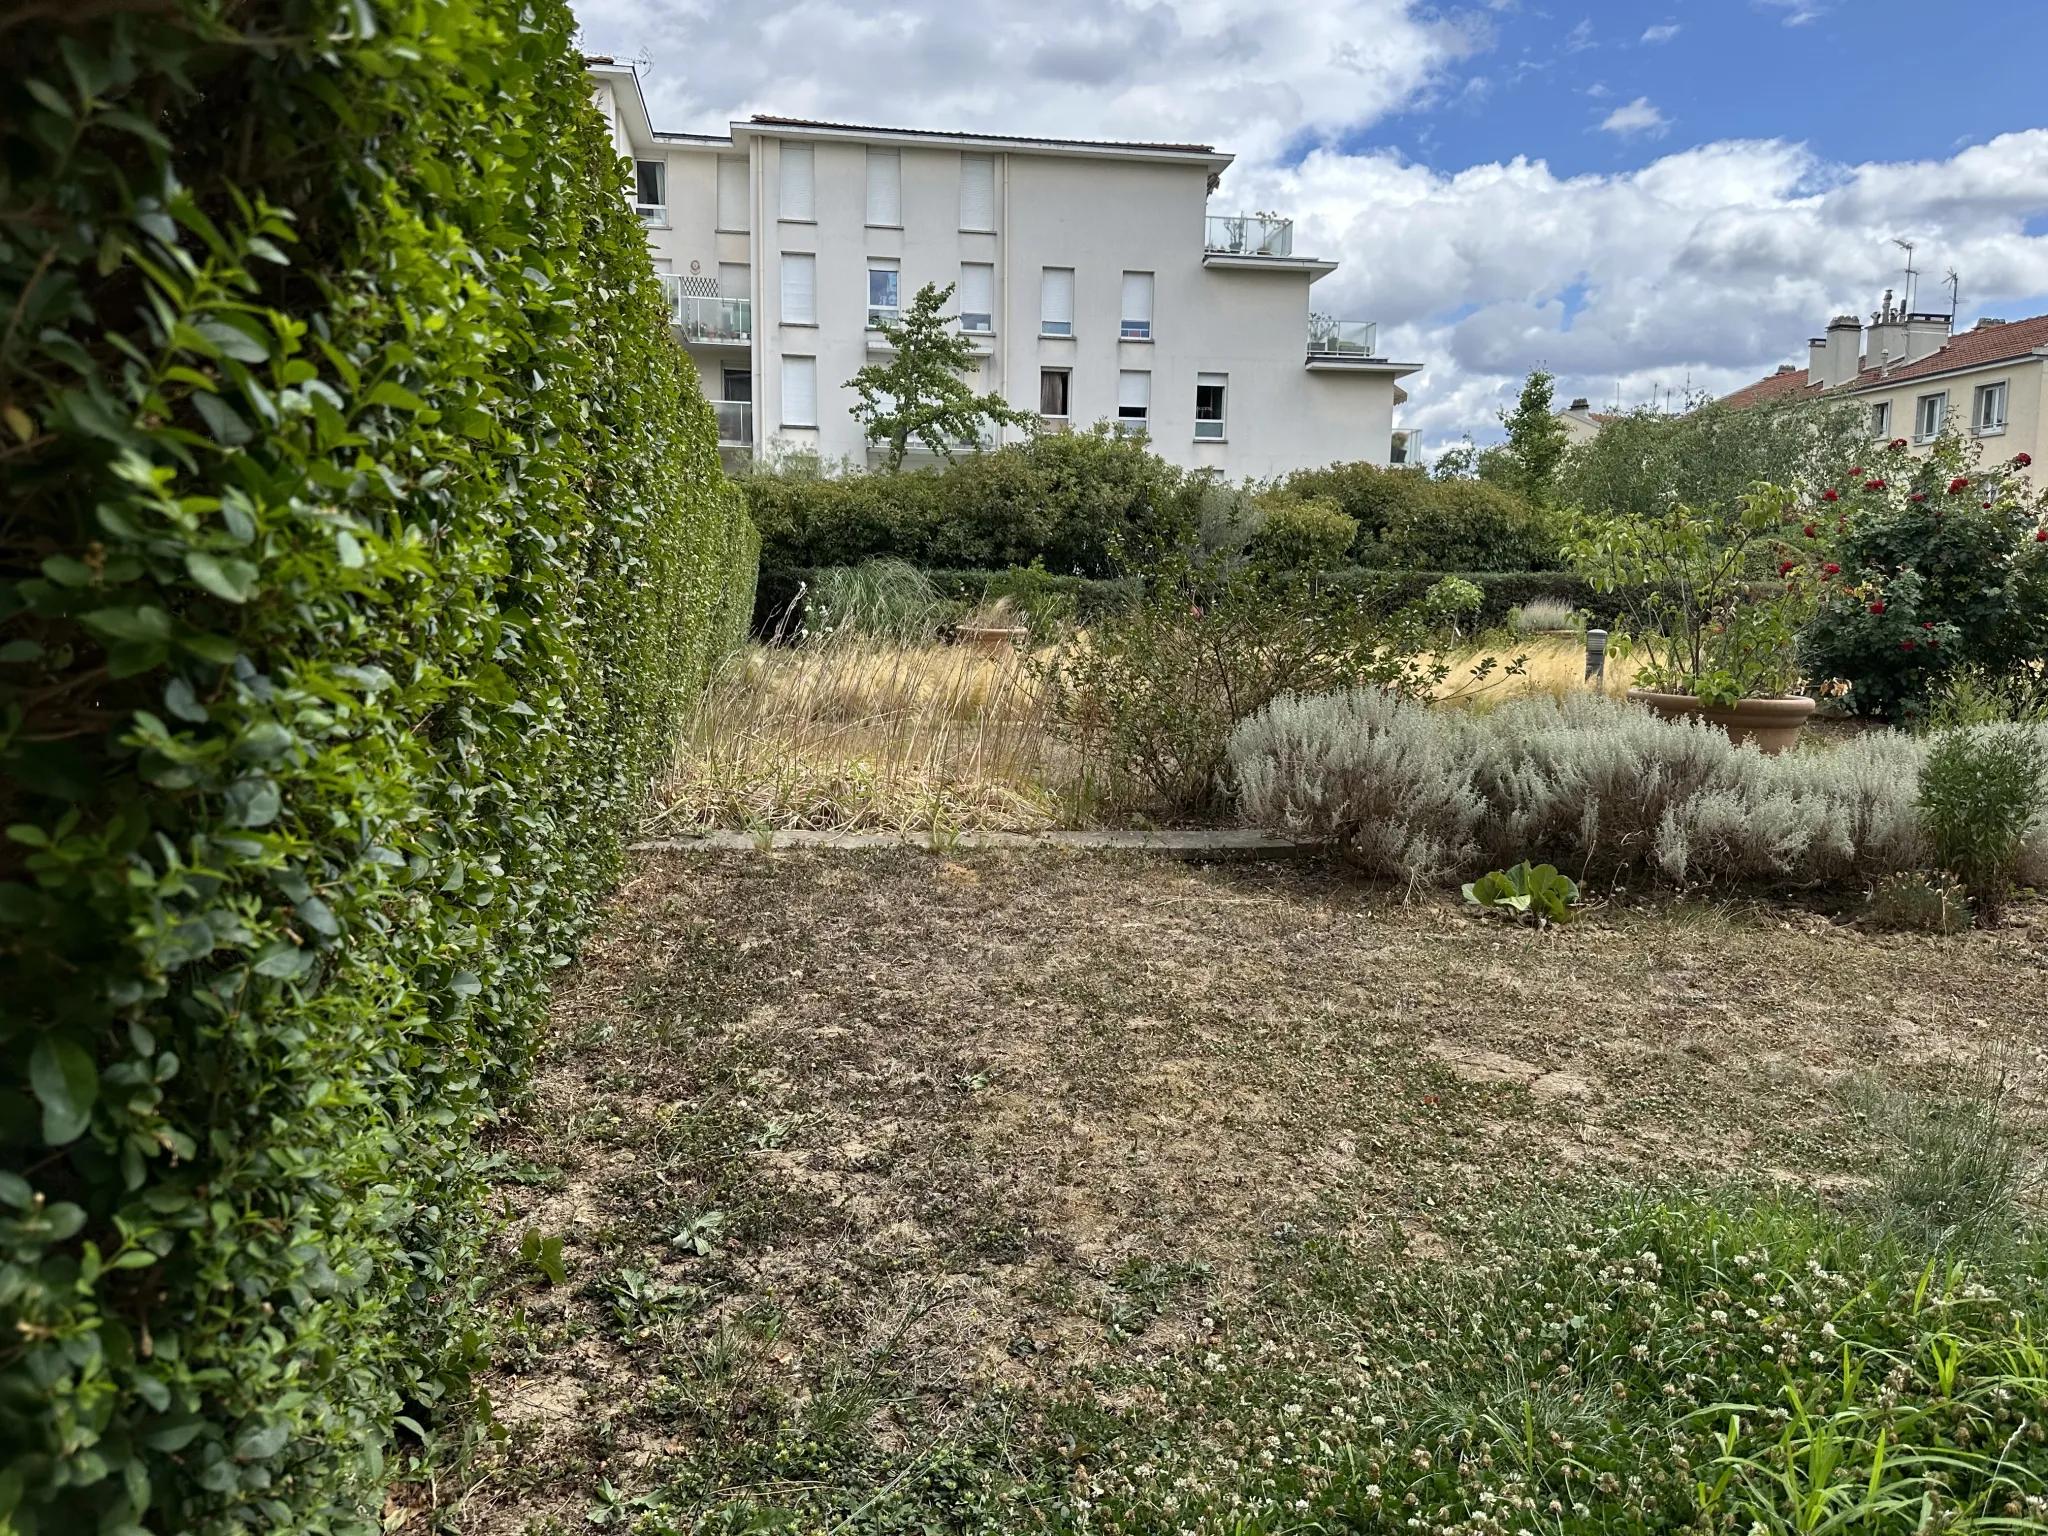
(1646, 199)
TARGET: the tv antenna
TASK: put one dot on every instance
(1955, 295)
(1912, 272)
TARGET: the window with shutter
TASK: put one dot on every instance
(977, 296)
(735, 280)
(799, 288)
(977, 191)
(884, 291)
(799, 391)
(885, 188)
(1056, 302)
(1137, 324)
(799, 167)
(1989, 414)
(1929, 411)
(732, 193)
(1210, 389)
(1133, 399)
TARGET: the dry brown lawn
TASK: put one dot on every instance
(936, 1107)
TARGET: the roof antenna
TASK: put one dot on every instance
(1955, 296)
(1912, 273)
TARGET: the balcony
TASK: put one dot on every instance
(1334, 340)
(704, 318)
(735, 423)
(1248, 234)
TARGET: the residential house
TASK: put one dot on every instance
(1092, 278)
(1581, 422)
(1913, 376)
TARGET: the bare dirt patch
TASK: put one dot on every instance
(993, 1117)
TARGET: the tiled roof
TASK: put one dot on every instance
(1973, 349)
(994, 138)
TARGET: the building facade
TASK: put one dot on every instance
(1913, 377)
(1092, 279)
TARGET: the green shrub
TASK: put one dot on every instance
(1407, 521)
(367, 541)
(1297, 533)
(1983, 792)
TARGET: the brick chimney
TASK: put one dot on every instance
(1844, 350)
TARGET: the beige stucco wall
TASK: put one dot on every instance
(2026, 408)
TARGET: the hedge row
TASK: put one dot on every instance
(365, 540)
(780, 596)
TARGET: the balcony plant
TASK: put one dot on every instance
(1714, 604)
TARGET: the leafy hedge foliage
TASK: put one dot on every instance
(365, 539)
(1408, 521)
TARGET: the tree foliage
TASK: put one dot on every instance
(1527, 463)
(920, 394)
(365, 540)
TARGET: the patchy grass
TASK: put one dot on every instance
(1082, 1192)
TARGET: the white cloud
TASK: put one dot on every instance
(1797, 12)
(1713, 264)
(1637, 117)
(1662, 34)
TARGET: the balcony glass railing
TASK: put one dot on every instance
(701, 317)
(1249, 234)
(1342, 338)
(735, 422)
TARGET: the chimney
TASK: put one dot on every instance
(1888, 335)
(1844, 350)
(1925, 335)
(1817, 360)
(1582, 404)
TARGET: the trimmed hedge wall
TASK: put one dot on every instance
(782, 586)
(365, 541)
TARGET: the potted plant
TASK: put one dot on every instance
(1715, 604)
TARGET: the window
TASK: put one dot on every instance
(885, 188)
(799, 168)
(977, 191)
(1881, 420)
(732, 193)
(1056, 302)
(799, 288)
(1406, 448)
(1210, 389)
(977, 296)
(735, 280)
(650, 190)
(799, 391)
(1053, 392)
(739, 384)
(1137, 324)
(1133, 400)
(884, 291)
(1929, 412)
(1987, 411)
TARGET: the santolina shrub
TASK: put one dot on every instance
(365, 540)
(1590, 784)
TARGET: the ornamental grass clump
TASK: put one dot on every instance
(1983, 799)
(1597, 787)
(367, 545)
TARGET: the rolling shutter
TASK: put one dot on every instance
(799, 170)
(977, 191)
(799, 288)
(885, 188)
(799, 391)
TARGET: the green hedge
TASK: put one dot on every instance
(779, 599)
(1407, 520)
(366, 539)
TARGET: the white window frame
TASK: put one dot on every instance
(1068, 375)
(1881, 420)
(799, 300)
(987, 317)
(1050, 281)
(1134, 400)
(654, 214)
(1939, 402)
(796, 191)
(805, 364)
(1136, 295)
(1212, 429)
(1996, 394)
(885, 189)
(878, 312)
(972, 169)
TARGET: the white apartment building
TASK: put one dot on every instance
(1093, 279)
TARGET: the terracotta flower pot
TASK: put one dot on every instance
(1772, 724)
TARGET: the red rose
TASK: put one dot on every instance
(1897, 442)
(1790, 563)
(1877, 607)
(1928, 625)
(1957, 486)
(1832, 569)
(2023, 459)
(1873, 485)
(1987, 506)
(1830, 496)
(1812, 530)
(1919, 495)
(1856, 471)
(1905, 645)
(2041, 535)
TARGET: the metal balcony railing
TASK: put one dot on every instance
(735, 423)
(700, 317)
(1248, 234)
(1342, 338)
